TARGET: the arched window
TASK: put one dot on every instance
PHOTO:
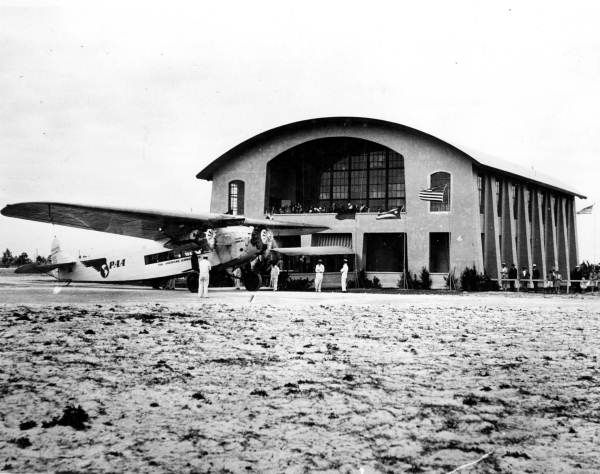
(236, 197)
(441, 180)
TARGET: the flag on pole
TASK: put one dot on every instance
(391, 214)
(433, 194)
(586, 210)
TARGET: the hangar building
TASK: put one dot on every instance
(492, 211)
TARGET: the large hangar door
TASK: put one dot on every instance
(385, 252)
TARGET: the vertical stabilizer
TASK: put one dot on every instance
(55, 251)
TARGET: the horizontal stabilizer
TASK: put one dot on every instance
(314, 251)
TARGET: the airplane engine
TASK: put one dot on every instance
(262, 238)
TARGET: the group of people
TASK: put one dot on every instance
(320, 270)
(299, 208)
(202, 266)
(582, 278)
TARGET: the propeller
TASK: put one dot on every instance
(210, 236)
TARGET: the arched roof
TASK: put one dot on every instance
(480, 159)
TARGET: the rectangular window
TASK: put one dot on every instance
(358, 186)
(529, 201)
(359, 162)
(439, 252)
(377, 184)
(340, 185)
(385, 252)
(233, 198)
(325, 189)
(515, 200)
(377, 159)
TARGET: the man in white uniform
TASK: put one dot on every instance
(274, 276)
(319, 270)
(237, 278)
(203, 277)
(344, 272)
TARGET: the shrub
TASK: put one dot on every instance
(425, 279)
(470, 280)
(452, 282)
(412, 282)
(376, 282)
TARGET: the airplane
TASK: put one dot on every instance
(228, 240)
(155, 268)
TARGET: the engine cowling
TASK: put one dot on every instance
(262, 238)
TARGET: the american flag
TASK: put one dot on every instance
(586, 210)
(391, 214)
(433, 194)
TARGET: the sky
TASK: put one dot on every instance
(123, 103)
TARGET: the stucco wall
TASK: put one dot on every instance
(423, 155)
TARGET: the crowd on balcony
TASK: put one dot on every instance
(312, 208)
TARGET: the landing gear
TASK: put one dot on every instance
(252, 281)
(192, 282)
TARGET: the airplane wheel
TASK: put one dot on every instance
(192, 283)
(252, 281)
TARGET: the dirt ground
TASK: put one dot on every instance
(330, 385)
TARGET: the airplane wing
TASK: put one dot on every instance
(35, 268)
(145, 224)
(314, 251)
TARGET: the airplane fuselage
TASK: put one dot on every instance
(227, 246)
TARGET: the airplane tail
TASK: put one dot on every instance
(56, 253)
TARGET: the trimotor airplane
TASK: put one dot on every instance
(227, 240)
(150, 267)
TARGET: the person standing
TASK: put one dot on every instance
(274, 276)
(203, 276)
(504, 276)
(513, 274)
(524, 278)
(319, 270)
(344, 275)
(535, 274)
(237, 278)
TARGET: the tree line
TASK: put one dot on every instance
(10, 260)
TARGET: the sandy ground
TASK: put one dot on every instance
(295, 382)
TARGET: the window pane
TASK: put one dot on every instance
(441, 180)
(395, 160)
(233, 198)
(396, 183)
(341, 164)
(359, 162)
(377, 184)
(358, 184)
(377, 159)
(397, 202)
(377, 205)
(340, 185)
(325, 189)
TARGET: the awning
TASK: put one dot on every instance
(314, 251)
